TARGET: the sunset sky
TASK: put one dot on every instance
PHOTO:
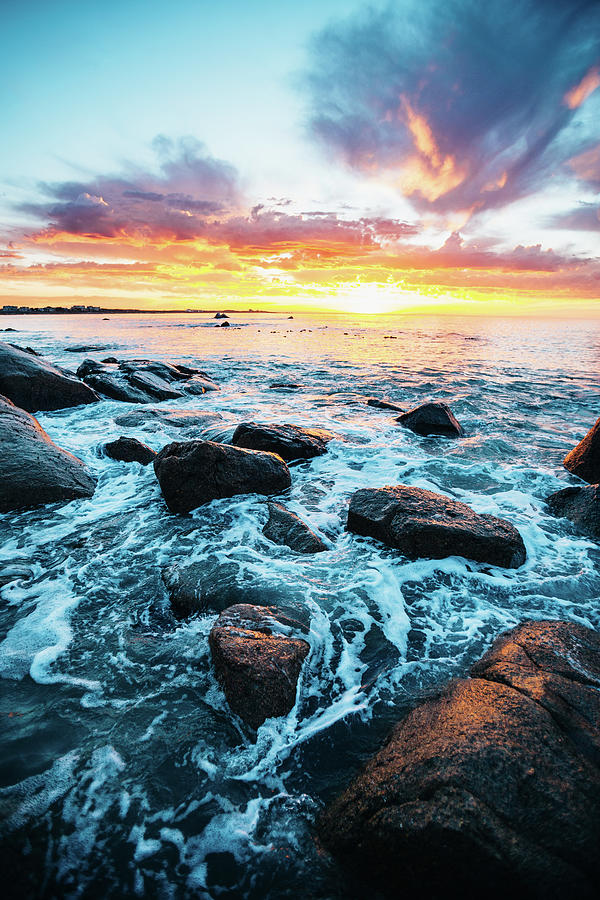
(415, 155)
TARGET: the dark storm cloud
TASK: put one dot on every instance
(469, 103)
(171, 205)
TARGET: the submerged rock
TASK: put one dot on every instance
(34, 470)
(422, 523)
(35, 384)
(128, 449)
(584, 459)
(288, 441)
(213, 584)
(493, 787)
(196, 472)
(284, 527)
(87, 348)
(257, 664)
(431, 418)
(383, 404)
(144, 380)
(581, 505)
(153, 418)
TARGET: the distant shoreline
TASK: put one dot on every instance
(97, 310)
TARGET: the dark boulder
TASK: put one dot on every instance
(493, 787)
(224, 325)
(128, 449)
(196, 472)
(256, 662)
(581, 505)
(288, 441)
(86, 348)
(383, 404)
(284, 527)
(221, 315)
(584, 459)
(431, 418)
(144, 380)
(34, 384)
(422, 523)
(34, 470)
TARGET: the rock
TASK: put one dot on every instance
(383, 404)
(493, 787)
(290, 317)
(34, 470)
(422, 523)
(154, 419)
(289, 441)
(581, 505)
(284, 527)
(584, 459)
(285, 386)
(257, 665)
(221, 315)
(128, 449)
(9, 329)
(196, 472)
(144, 380)
(34, 384)
(88, 348)
(431, 418)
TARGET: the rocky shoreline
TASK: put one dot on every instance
(258, 649)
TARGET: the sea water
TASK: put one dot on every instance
(122, 770)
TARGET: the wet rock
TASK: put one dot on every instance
(285, 386)
(224, 325)
(35, 384)
(212, 584)
(383, 404)
(422, 523)
(128, 449)
(584, 459)
(581, 505)
(221, 315)
(196, 472)
(289, 441)
(34, 470)
(493, 787)
(284, 527)
(87, 348)
(256, 662)
(144, 380)
(431, 418)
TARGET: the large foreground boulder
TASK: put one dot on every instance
(285, 527)
(422, 523)
(584, 459)
(129, 449)
(195, 472)
(581, 505)
(35, 384)
(33, 469)
(257, 665)
(288, 441)
(493, 788)
(431, 418)
(144, 380)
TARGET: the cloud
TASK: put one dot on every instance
(170, 205)
(464, 105)
(585, 217)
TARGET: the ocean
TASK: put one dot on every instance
(122, 770)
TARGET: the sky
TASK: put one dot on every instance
(412, 156)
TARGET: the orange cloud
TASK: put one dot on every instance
(588, 84)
